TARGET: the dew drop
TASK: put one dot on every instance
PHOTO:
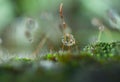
(31, 24)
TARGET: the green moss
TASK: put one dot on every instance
(22, 59)
(103, 49)
(64, 64)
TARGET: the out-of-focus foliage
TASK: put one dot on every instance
(31, 37)
(78, 15)
(6, 13)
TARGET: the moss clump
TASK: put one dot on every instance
(22, 59)
(61, 66)
(103, 49)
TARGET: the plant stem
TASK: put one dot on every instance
(99, 36)
(40, 45)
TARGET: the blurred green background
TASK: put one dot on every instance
(45, 13)
(24, 24)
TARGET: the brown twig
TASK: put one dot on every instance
(63, 22)
(68, 39)
(40, 45)
(62, 17)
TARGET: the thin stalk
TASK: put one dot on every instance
(99, 36)
(40, 45)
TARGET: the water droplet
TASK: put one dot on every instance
(31, 40)
(31, 24)
(96, 22)
(27, 34)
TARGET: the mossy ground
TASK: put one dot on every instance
(65, 66)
